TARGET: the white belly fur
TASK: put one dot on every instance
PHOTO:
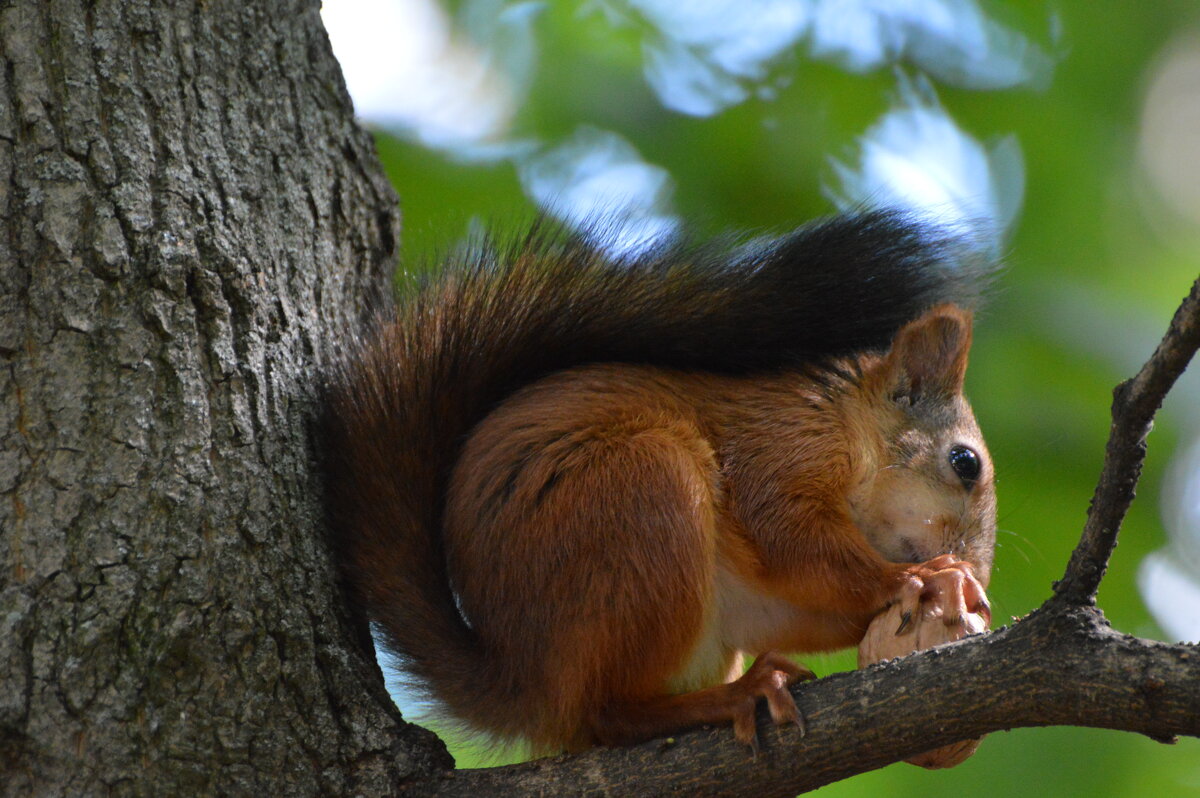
(741, 621)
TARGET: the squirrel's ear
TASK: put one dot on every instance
(928, 358)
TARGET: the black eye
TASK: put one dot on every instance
(966, 465)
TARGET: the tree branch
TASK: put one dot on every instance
(1061, 665)
(1135, 402)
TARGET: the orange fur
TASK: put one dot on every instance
(591, 515)
(574, 494)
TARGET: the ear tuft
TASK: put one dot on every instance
(928, 358)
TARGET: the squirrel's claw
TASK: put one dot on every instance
(944, 587)
(769, 677)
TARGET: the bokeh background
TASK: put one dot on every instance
(1069, 133)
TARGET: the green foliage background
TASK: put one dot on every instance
(1091, 252)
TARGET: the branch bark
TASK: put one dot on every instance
(1061, 665)
(1135, 402)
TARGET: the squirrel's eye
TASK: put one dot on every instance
(966, 465)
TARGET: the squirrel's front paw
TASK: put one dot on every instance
(924, 631)
(940, 601)
(944, 587)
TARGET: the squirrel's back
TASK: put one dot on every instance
(399, 409)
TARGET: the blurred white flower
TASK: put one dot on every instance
(917, 158)
(950, 40)
(407, 68)
(708, 55)
(1170, 577)
(597, 175)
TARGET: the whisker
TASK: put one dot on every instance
(1020, 550)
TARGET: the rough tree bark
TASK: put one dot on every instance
(187, 214)
(188, 218)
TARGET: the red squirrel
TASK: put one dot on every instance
(572, 490)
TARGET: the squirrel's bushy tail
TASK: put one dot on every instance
(398, 410)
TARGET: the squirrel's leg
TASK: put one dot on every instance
(591, 561)
(769, 678)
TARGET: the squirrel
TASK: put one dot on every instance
(572, 490)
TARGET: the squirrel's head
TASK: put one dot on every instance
(925, 479)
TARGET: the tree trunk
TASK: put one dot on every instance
(188, 214)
